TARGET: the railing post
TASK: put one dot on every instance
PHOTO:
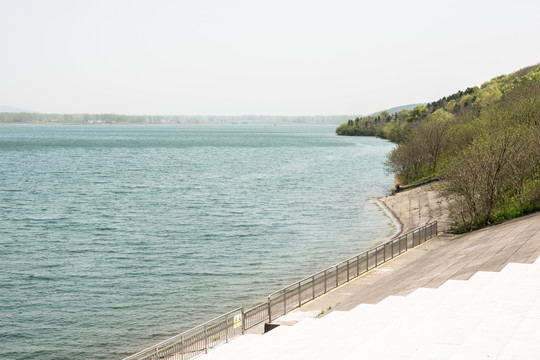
(182, 351)
(406, 242)
(325, 281)
(313, 286)
(299, 294)
(348, 275)
(357, 265)
(269, 310)
(285, 301)
(367, 261)
(243, 321)
(337, 273)
(227, 329)
(205, 339)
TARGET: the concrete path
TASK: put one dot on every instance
(437, 260)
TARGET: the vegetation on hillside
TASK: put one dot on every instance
(484, 143)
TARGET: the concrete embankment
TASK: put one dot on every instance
(418, 206)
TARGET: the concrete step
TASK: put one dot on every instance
(475, 330)
(524, 344)
(229, 350)
(366, 321)
(381, 318)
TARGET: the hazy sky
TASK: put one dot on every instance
(275, 57)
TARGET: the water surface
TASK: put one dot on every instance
(114, 238)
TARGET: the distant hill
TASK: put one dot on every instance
(397, 109)
(12, 109)
(481, 142)
(397, 123)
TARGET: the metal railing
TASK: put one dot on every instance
(202, 338)
(295, 295)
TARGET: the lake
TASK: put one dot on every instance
(114, 238)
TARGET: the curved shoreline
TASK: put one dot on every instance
(395, 219)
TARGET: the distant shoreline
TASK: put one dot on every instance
(121, 119)
(165, 124)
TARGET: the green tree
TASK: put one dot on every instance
(434, 134)
(417, 113)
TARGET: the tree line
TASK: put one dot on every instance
(483, 142)
(96, 119)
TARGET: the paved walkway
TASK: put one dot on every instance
(434, 262)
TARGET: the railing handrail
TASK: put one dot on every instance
(283, 291)
(352, 257)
